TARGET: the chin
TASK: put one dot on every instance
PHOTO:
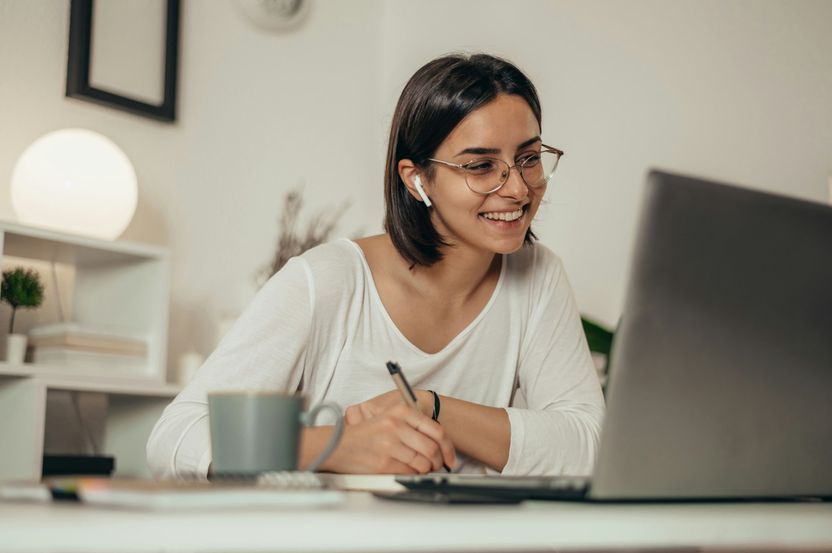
(506, 247)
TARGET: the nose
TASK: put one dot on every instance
(514, 187)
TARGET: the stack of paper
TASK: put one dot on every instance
(79, 346)
(170, 495)
(362, 482)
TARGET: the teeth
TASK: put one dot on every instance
(503, 215)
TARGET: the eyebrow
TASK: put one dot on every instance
(494, 151)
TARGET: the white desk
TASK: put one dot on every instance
(369, 524)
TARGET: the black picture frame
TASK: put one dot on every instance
(78, 65)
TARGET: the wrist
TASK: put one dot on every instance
(313, 441)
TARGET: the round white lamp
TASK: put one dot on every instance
(75, 180)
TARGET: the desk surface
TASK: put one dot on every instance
(368, 524)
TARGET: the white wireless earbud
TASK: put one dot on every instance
(418, 183)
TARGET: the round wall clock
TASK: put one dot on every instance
(274, 15)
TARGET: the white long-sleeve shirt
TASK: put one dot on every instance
(319, 324)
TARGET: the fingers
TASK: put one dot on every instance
(353, 415)
(436, 433)
(406, 441)
(413, 461)
(429, 428)
(394, 466)
(359, 412)
(426, 452)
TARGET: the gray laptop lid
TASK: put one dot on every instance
(722, 364)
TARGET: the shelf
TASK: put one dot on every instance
(109, 285)
(46, 245)
(115, 285)
(65, 379)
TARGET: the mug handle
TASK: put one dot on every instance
(309, 417)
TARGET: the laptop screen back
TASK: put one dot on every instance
(721, 369)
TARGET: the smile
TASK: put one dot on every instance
(503, 215)
(504, 218)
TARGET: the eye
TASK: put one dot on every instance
(480, 166)
(529, 159)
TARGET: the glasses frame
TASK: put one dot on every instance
(464, 168)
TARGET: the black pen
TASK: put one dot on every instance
(407, 392)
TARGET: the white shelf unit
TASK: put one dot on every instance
(132, 410)
(119, 285)
(114, 285)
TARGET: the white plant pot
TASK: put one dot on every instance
(15, 348)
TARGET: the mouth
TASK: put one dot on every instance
(505, 219)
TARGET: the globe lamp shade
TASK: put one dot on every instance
(75, 180)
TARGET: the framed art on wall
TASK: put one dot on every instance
(124, 54)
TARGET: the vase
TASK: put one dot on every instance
(15, 348)
(188, 364)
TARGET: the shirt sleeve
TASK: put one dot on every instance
(265, 349)
(557, 430)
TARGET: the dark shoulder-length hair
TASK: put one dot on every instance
(434, 101)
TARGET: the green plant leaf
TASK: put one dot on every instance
(598, 338)
(22, 288)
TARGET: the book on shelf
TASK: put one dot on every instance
(65, 357)
(85, 337)
(76, 345)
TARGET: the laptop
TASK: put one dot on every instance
(721, 369)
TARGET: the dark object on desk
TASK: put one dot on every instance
(448, 498)
(722, 363)
(88, 465)
(510, 488)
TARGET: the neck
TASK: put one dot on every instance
(459, 274)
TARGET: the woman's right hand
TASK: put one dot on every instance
(400, 440)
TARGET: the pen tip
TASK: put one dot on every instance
(392, 367)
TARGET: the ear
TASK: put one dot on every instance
(408, 173)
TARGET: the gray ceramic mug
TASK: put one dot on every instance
(259, 431)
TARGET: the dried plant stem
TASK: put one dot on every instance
(292, 241)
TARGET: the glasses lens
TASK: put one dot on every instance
(537, 169)
(486, 175)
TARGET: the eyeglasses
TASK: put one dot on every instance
(488, 174)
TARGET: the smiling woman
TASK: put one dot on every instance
(503, 205)
(457, 291)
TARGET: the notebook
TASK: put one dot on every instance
(230, 492)
(180, 495)
(290, 489)
(361, 482)
(722, 363)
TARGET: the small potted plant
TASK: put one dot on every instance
(21, 288)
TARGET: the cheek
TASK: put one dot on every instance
(536, 197)
(455, 196)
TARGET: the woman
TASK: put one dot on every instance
(480, 317)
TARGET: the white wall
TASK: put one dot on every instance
(260, 114)
(735, 90)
